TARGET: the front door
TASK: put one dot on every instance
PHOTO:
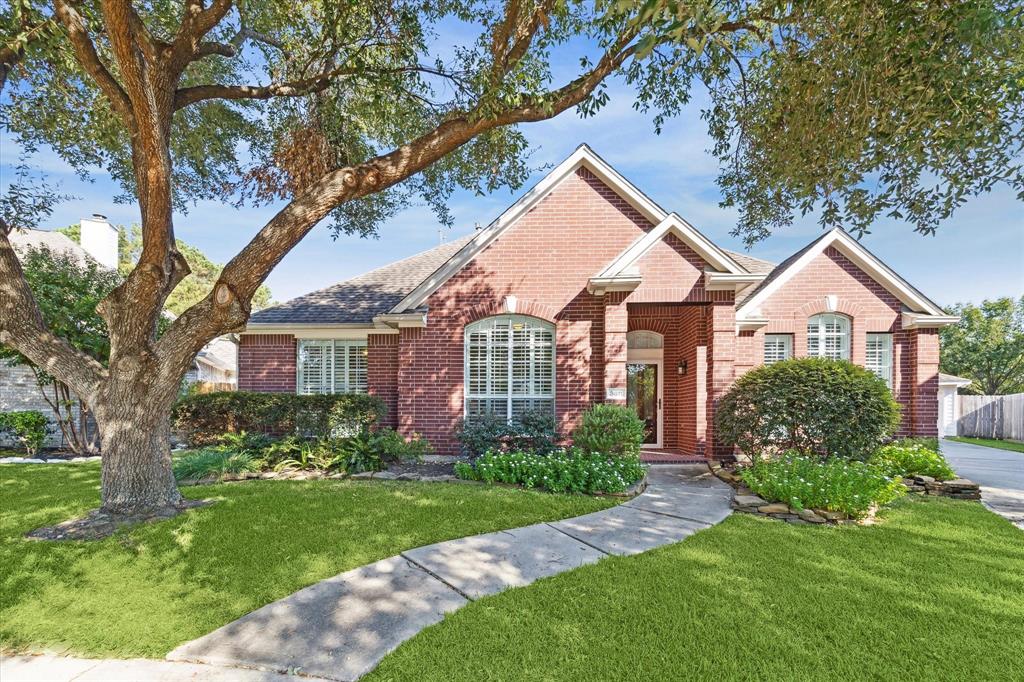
(643, 395)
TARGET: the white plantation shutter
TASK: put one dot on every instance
(331, 366)
(777, 347)
(509, 366)
(828, 336)
(878, 356)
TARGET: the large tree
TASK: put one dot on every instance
(353, 109)
(987, 345)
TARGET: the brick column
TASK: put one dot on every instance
(924, 369)
(616, 324)
(721, 367)
(409, 385)
(382, 373)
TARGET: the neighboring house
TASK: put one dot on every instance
(586, 291)
(216, 364)
(99, 242)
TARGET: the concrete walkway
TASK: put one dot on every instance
(340, 628)
(1000, 473)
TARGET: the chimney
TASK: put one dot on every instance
(99, 239)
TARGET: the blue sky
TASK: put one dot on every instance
(978, 253)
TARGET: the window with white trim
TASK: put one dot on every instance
(331, 366)
(509, 366)
(828, 336)
(644, 340)
(878, 356)
(777, 347)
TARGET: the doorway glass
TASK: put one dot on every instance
(642, 395)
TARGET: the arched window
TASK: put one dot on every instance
(510, 366)
(828, 336)
(642, 340)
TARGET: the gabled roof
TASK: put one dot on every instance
(583, 157)
(913, 299)
(360, 299)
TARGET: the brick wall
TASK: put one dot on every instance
(266, 362)
(870, 308)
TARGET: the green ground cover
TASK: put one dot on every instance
(1013, 445)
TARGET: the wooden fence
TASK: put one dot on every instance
(992, 416)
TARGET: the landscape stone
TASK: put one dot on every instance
(749, 501)
(810, 516)
(774, 508)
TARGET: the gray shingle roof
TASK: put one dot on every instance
(359, 299)
(757, 266)
(56, 242)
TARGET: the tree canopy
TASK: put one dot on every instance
(987, 345)
(858, 110)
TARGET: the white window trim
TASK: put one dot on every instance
(885, 369)
(787, 341)
(330, 374)
(822, 335)
(509, 396)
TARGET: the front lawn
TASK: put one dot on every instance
(148, 589)
(1013, 445)
(935, 590)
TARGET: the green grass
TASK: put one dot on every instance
(1013, 445)
(148, 589)
(936, 591)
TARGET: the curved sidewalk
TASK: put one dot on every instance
(340, 628)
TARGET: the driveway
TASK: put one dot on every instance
(999, 472)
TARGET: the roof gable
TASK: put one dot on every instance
(866, 261)
(583, 157)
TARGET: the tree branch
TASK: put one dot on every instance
(86, 53)
(22, 327)
(226, 308)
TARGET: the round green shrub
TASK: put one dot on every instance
(829, 408)
(612, 430)
(28, 427)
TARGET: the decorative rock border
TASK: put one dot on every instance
(52, 460)
(957, 489)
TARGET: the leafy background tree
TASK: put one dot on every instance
(67, 290)
(192, 289)
(987, 345)
(350, 111)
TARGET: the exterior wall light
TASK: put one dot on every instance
(682, 367)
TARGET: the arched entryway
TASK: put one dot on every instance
(645, 381)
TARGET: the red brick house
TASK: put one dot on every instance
(586, 291)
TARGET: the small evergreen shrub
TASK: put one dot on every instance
(213, 463)
(203, 419)
(27, 427)
(564, 471)
(393, 447)
(904, 459)
(829, 408)
(833, 484)
(612, 430)
(532, 431)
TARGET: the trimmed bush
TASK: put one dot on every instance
(830, 408)
(912, 459)
(833, 484)
(571, 471)
(28, 427)
(203, 419)
(532, 431)
(611, 430)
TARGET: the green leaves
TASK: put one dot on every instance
(987, 345)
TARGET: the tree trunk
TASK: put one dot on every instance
(134, 421)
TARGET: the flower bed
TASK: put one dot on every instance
(912, 459)
(833, 485)
(561, 471)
